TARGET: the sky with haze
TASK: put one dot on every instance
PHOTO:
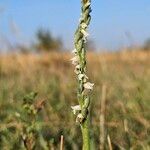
(115, 23)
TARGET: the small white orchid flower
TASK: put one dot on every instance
(84, 33)
(74, 51)
(82, 76)
(75, 60)
(77, 69)
(88, 85)
(84, 25)
(76, 108)
(79, 118)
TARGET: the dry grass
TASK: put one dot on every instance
(126, 75)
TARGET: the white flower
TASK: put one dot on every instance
(83, 25)
(76, 108)
(77, 69)
(84, 33)
(75, 60)
(88, 85)
(79, 118)
(82, 76)
(74, 51)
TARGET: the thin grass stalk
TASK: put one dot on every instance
(102, 118)
(126, 129)
(84, 87)
(109, 143)
(61, 142)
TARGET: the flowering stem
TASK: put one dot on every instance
(84, 87)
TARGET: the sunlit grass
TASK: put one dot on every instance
(127, 76)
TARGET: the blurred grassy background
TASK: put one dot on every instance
(126, 75)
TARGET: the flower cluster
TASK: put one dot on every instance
(81, 76)
(86, 85)
(79, 61)
(77, 111)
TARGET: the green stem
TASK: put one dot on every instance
(83, 96)
(85, 134)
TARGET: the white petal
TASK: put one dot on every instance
(75, 60)
(83, 25)
(89, 86)
(77, 69)
(84, 33)
(76, 108)
(74, 51)
(79, 118)
(80, 76)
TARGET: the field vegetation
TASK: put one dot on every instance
(37, 90)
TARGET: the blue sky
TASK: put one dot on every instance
(115, 23)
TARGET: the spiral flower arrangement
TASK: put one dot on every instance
(79, 61)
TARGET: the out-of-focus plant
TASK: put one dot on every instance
(127, 80)
(31, 135)
(84, 87)
(46, 42)
(25, 132)
(146, 45)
